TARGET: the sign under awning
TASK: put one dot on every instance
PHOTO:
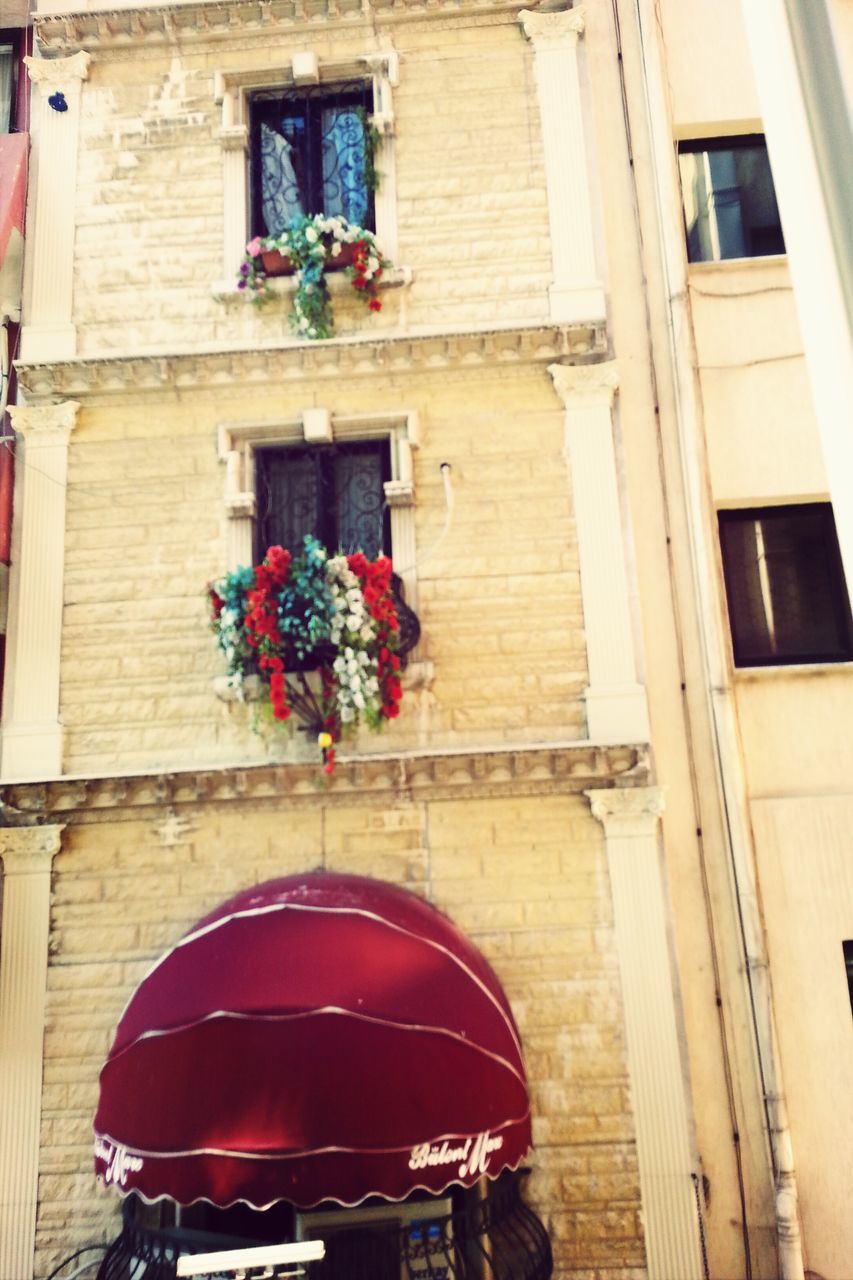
(319, 1037)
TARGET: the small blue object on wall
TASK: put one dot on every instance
(57, 101)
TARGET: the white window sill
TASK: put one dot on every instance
(753, 263)
(792, 670)
(285, 286)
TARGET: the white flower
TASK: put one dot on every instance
(355, 683)
(366, 634)
(336, 249)
(347, 715)
(353, 622)
(310, 235)
(372, 265)
(359, 701)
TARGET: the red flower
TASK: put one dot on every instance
(374, 305)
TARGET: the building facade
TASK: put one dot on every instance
(582, 424)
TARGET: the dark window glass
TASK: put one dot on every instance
(730, 206)
(7, 82)
(308, 156)
(785, 585)
(848, 963)
(335, 493)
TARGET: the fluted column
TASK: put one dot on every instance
(615, 700)
(235, 144)
(27, 854)
(658, 1086)
(49, 333)
(576, 293)
(32, 733)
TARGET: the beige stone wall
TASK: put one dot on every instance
(525, 877)
(470, 188)
(146, 532)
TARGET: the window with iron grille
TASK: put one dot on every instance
(333, 492)
(730, 208)
(310, 154)
(785, 587)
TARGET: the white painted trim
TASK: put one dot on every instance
(237, 444)
(658, 1084)
(232, 90)
(32, 731)
(49, 333)
(615, 699)
(576, 292)
(27, 854)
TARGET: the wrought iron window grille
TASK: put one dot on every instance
(498, 1237)
(311, 151)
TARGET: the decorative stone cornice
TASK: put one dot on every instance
(189, 20)
(544, 770)
(585, 384)
(548, 29)
(56, 73)
(627, 811)
(29, 850)
(45, 423)
(341, 357)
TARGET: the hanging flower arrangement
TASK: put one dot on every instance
(308, 249)
(333, 615)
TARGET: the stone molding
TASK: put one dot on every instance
(27, 854)
(45, 424)
(52, 74)
(665, 1149)
(586, 383)
(625, 811)
(576, 289)
(258, 366)
(549, 29)
(541, 770)
(29, 850)
(227, 19)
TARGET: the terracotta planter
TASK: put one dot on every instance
(345, 258)
(277, 264)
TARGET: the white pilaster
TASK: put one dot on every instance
(615, 700)
(658, 1087)
(27, 854)
(235, 145)
(32, 732)
(576, 293)
(49, 333)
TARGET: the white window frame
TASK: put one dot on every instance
(237, 444)
(233, 91)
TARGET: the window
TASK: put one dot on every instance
(8, 66)
(730, 206)
(335, 492)
(848, 964)
(785, 586)
(309, 154)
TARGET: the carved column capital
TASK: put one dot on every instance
(627, 811)
(45, 423)
(52, 74)
(585, 384)
(29, 850)
(549, 29)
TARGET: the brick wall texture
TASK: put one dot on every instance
(499, 600)
(525, 878)
(146, 532)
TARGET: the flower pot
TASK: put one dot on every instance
(345, 258)
(276, 263)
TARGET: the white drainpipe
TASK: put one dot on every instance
(728, 764)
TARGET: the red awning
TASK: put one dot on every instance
(318, 1037)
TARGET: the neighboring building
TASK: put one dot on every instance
(582, 425)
